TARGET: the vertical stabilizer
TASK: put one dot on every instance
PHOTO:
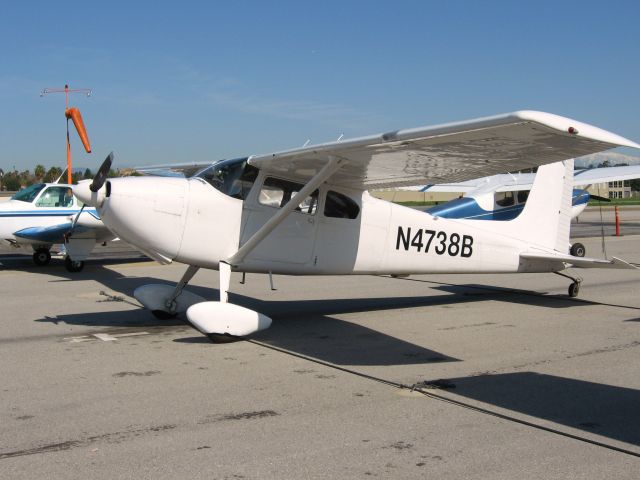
(546, 218)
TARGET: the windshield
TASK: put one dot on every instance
(232, 177)
(29, 193)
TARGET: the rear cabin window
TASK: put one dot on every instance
(523, 195)
(338, 205)
(276, 192)
(504, 199)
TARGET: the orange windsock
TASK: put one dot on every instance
(74, 114)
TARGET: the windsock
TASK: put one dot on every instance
(74, 114)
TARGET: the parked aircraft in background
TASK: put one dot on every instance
(45, 214)
(502, 197)
(307, 211)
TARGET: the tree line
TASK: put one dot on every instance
(16, 180)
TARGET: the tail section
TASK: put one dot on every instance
(546, 218)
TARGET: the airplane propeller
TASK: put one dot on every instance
(599, 198)
(101, 176)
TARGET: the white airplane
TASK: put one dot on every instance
(45, 214)
(307, 211)
(503, 196)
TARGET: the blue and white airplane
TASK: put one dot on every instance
(46, 214)
(502, 197)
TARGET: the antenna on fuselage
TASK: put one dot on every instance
(74, 115)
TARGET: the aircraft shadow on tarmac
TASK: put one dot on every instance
(305, 326)
(605, 410)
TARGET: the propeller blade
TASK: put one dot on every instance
(101, 176)
(598, 197)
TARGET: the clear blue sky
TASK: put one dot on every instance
(198, 81)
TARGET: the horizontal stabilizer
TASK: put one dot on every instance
(580, 262)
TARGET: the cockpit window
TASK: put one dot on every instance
(232, 177)
(56, 197)
(276, 192)
(29, 193)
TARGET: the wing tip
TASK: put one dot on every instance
(574, 127)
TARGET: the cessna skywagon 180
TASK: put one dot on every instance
(307, 211)
(45, 214)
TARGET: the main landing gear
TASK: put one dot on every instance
(41, 256)
(73, 266)
(221, 321)
(166, 301)
(574, 288)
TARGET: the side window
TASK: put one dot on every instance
(276, 193)
(504, 199)
(340, 206)
(56, 197)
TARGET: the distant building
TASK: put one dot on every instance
(617, 189)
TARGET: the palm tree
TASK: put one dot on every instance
(39, 172)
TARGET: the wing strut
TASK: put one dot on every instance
(325, 172)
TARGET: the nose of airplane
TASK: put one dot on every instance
(147, 212)
(87, 196)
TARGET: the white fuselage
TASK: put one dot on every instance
(189, 221)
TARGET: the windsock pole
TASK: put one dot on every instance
(72, 114)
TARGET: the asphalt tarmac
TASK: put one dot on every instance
(449, 376)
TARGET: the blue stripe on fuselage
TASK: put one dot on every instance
(46, 213)
(468, 208)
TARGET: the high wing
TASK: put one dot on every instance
(453, 152)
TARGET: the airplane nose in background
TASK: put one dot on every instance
(86, 196)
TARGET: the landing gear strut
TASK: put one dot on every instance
(167, 301)
(41, 257)
(574, 288)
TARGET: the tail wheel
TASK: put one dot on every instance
(578, 250)
(73, 266)
(41, 257)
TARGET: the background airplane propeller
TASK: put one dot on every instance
(103, 172)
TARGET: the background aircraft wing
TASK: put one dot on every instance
(447, 153)
(51, 234)
(605, 174)
(185, 170)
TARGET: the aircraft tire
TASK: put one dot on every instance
(222, 338)
(163, 315)
(574, 289)
(578, 250)
(72, 266)
(42, 257)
